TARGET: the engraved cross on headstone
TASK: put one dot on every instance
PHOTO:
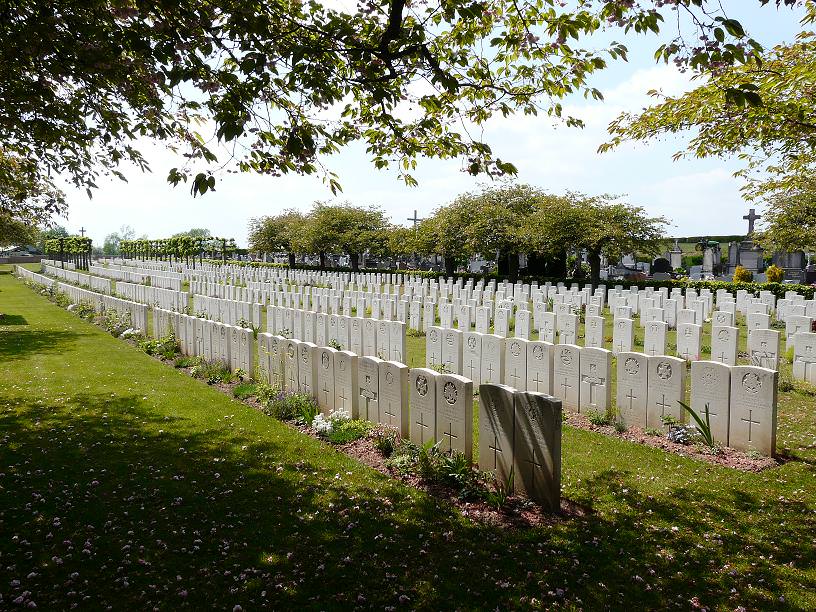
(450, 436)
(631, 397)
(750, 422)
(496, 450)
(565, 386)
(368, 395)
(592, 381)
(663, 405)
(422, 427)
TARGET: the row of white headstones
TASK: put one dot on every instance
(740, 400)
(517, 372)
(521, 431)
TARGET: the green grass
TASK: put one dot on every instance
(157, 490)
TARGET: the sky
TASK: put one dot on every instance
(699, 197)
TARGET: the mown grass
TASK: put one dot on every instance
(126, 483)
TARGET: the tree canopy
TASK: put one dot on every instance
(283, 84)
(789, 222)
(763, 112)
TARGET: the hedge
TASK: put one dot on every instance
(778, 289)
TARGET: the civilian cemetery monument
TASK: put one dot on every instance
(542, 369)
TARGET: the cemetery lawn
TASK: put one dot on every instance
(125, 483)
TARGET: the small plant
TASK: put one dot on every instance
(703, 427)
(414, 333)
(789, 355)
(114, 323)
(620, 426)
(185, 361)
(598, 418)
(384, 438)
(335, 345)
(85, 310)
(754, 454)
(455, 470)
(669, 420)
(303, 406)
(501, 491)
(348, 430)
(286, 333)
(240, 374)
(325, 425)
(441, 368)
(653, 431)
(244, 390)
(166, 347)
(213, 372)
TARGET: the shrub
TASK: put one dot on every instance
(335, 345)
(743, 275)
(167, 347)
(85, 310)
(348, 430)
(774, 274)
(414, 333)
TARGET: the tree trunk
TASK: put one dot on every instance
(503, 269)
(291, 260)
(557, 267)
(513, 266)
(594, 268)
(450, 265)
(536, 265)
(322, 255)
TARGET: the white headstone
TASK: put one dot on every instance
(667, 387)
(623, 335)
(433, 347)
(688, 341)
(345, 383)
(492, 370)
(472, 356)
(394, 410)
(711, 388)
(324, 364)
(632, 388)
(804, 357)
(595, 391)
(537, 448)
(566, 375)
(454, 414)
(654, 339)
(422, 386)
(515, 363)
(753, 409)
(368, 388)
(594, 332)
(724, 341)
(540, 367)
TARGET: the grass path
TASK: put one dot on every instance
(125, 483)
